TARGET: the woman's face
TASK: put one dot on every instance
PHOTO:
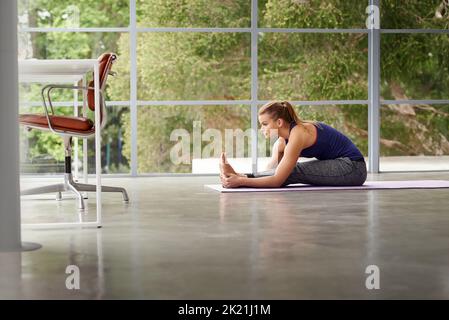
(268, 126)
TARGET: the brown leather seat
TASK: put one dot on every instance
(68, 123)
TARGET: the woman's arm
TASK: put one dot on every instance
(277, 153)
(285, 167)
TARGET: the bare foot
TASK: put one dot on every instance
(225, 168)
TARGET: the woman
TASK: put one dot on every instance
(338, 161)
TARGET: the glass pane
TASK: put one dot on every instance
(83, 45)
(198, 13)
(414, 137)
(313, 66)
(194, 66)
(414, 66)
(351, 120)
(115, 147)
(42, 152)
(414, 14)
(344, 14)
(31, 93)
(190, 139)
(73, 14)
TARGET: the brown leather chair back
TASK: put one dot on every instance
(105, 64)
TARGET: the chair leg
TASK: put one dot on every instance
(92, 188)
(70, 185)
(45, 189)
(78, 195)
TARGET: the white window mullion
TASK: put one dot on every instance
(133, 84)
(254, 84)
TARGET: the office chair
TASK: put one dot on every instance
(70, 126)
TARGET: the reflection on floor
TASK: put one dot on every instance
(178, 240)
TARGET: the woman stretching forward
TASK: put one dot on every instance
(339, 162)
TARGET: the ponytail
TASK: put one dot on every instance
(280, 110)
(291, 112)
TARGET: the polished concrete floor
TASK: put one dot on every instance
(179, 240)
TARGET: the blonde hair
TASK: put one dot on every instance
(280, 110)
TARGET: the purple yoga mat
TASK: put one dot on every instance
(368, 185)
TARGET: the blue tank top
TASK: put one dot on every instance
(330, 144)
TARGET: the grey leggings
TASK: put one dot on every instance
(334, 172)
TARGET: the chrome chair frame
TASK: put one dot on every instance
(69, 183)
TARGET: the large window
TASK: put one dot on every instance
(193, 14)
(414, 118)
(183, 139)
(312, 66)
(73, 13)
(312, 14)
(415, 66)
(414, 137)
(210, 63)
(414, 14)
(193, 66)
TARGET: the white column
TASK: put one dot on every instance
(10, 233)
(9, 130)
(374, 92)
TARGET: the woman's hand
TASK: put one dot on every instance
(231, 181)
